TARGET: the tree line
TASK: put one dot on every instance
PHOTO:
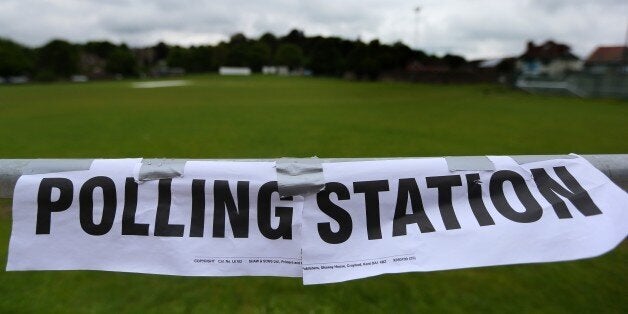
(325, 56)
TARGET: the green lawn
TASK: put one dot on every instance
(257, 117)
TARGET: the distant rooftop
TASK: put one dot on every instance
(547, 51)
(609, 54)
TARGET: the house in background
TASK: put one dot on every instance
(92, 66)
(549, 60)
(610, 59)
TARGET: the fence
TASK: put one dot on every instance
(613, 85)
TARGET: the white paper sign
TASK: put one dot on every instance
(219, 219)
(225, 218)
(395, 216)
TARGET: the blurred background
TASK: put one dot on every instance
(245, 79)
(571, 47)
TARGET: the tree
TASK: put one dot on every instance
(326, 59)
(295, 36)
(401, 54)
(14, 59)
(237, 39)
(101, 49)
(323, 55)
(195, 59)
(453, 61)
(121, 61)
(363, 60)
(161, 51)
(220, 55)
(290, 55)
(270, 40)
(257, 55)
(57, 59)
(178, 57)
(236, 55)
(200, 59)
(242, 52)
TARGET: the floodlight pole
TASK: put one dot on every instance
(624, 50)
(417, 10)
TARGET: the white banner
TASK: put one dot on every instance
(396, 216)
(225, 218)
(219, 219)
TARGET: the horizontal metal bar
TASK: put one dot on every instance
(615, 166)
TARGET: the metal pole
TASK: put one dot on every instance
(417, 10)
(615, 166)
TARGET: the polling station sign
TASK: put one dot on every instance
(226, 218)
(219, 219)
(393, 216)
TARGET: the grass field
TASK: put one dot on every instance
(217, 117)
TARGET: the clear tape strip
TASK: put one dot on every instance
(299, 176)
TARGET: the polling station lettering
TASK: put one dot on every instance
(225, 208)
(409, 193)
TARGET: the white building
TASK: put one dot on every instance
(275, 70)
(550, 60)
(238, 71)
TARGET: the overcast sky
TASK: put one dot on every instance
(473, 28)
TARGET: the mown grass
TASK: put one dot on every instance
(218, 117)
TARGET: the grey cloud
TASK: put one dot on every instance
(475, 28)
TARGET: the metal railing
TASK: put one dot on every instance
(615, 166)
